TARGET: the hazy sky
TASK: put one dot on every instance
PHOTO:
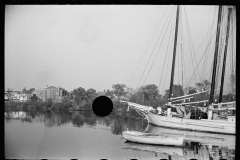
(96, 46)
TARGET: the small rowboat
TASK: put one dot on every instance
(149, 138)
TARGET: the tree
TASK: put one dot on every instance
(24, 89)
(91, 91)
(78, 95)
(34, 97)
(90, 95)
(233, 83)
(49, 103)
(137, 98)
(79, 91)
(119, 90)
(177, 91)
(203, 86)
(109, 93)
(190, 90)
(150, 93)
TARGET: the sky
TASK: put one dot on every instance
(95, 47)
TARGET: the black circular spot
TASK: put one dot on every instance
(102, 106)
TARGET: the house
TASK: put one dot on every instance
(12, 95)
(62, 93)
(23, 97)
(55, 93)
(16, 95)
(38, 93)
(29, 93)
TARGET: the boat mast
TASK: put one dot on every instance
(225, 55)
(215, 57)
(174, 55)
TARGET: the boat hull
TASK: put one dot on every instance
(204, 125)
(147, 138)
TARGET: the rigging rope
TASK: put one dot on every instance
(166, 70)
(200, 60)
(148, 46)
(153, 49)
(158, 49)
(204, 61)
(165, 55)
(202, 42)
(208, 40)
(203, 55)
(193, 55)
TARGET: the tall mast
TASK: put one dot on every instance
(225, 55)
(215, 57)
(174, 55)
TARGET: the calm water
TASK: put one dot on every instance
(83, 135)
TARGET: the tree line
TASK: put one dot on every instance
(81, 99)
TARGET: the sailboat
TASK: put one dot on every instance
(224, 126)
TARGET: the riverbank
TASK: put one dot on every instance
(119, 109)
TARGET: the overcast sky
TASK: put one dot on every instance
(91, 46)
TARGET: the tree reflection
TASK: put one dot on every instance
(117, 127)
(79, 119)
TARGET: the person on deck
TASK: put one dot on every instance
(187, 112)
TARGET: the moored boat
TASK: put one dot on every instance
(212, 121)
(149, 138)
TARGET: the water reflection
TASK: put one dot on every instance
(78, 119)
(202, 137)
(191, 150)
(198, 145)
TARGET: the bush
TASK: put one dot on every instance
(48, 103)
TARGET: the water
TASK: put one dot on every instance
(83, 135)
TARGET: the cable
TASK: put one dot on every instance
(206, 57)
(166, 70)
(157, 51)
(190, 42)
(147, 46)
(204, 52)
(202, 42)
(153, 50)
(165, 56)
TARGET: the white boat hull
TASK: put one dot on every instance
(204, 125)
(147, 138)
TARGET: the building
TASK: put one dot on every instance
(38, 93)
(23, 96)
(29, 93)
(54, 93)
(12, 95)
